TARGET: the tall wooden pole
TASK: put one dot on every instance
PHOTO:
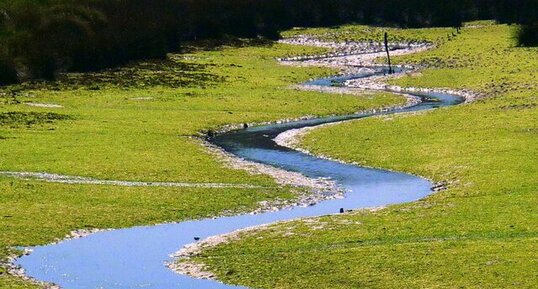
(388, 53)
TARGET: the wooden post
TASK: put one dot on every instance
(388, 53)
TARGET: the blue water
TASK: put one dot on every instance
(135, 257)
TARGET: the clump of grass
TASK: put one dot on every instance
(16, 118)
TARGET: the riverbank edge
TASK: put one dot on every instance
(316, 190)
(183, 263)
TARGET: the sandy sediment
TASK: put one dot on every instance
(345, 48)
(291, 138)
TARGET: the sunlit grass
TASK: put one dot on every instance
(480, 233)
(137, 123)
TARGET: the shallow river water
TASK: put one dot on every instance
(135, 257)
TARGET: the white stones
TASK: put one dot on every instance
(142, 98)
(45, 105)
(64, 179)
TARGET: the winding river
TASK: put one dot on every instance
(135, 257)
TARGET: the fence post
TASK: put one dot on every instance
(388, 53)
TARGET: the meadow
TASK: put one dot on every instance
(140, 122)
(481, 232)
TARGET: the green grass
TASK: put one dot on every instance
(116, 136)
(480, 233)
(136, 123)
(17, 119)
(369, 33)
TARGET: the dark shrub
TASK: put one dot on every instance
(47, 36)
(8, 73)
(527, 35)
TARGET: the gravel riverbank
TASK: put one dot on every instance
(350, 58)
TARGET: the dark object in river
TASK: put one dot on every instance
(341, 210)
(196, 238)
(429, 99)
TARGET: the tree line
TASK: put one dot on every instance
(39, 38)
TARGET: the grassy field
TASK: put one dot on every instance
(136, 123)
(370, 33)
(480, 233)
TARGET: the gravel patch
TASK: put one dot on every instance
(46, 105)
(56, 178)
(182, 259)
(317, 190)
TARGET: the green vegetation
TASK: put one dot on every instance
(481, 232)
(371, 33)
(119, 131)
(137, 123)
(16, 119)
(39, 38)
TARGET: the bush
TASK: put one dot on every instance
(8, 73)
(527, 35)
(48, 36)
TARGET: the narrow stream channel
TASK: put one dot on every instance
(135, 257)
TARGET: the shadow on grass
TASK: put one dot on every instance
(175, 71)
(218, 44)
(28, 119)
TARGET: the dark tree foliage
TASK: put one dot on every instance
(527, 35)
(39, 38)
(524, 12)
(8, 74)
